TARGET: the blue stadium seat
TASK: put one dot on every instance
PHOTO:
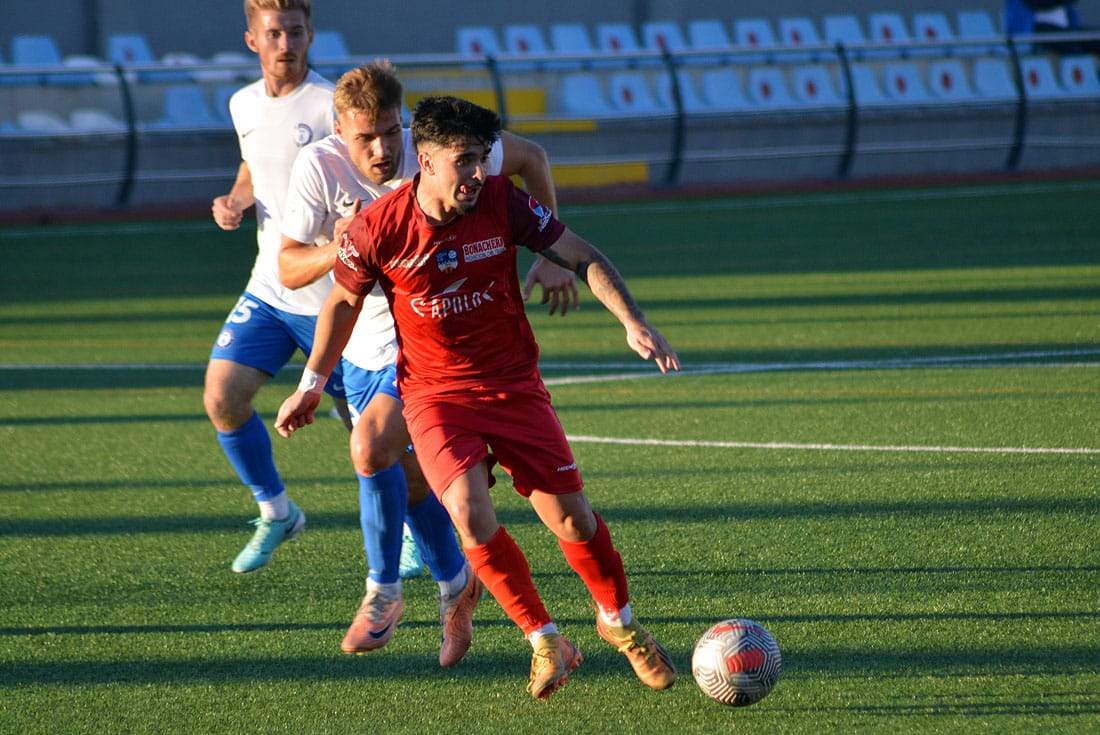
(932, 29)
(186, 108)
(524, 40)
(948, 81)
(583, 96)
(571, 39)
(1040, 80)
(476, 41)
(753, 34)
(42, 121)
(865, 87)
(812, 85)
(328, 54)
(692, 102)
(795, 33)
(35, 51)
(890, 30)
(618, 39)
(1079, 76)
(977, 26)
(993, 80)
(767, 88)
(902, 82)
(629, 92)
(722, 90)
(707, 35)
(844, 29)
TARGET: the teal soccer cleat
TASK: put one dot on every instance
(268, 536)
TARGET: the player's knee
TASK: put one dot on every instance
(370, 457)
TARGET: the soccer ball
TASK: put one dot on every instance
(736, 662)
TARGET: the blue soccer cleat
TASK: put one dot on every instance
(268, 536)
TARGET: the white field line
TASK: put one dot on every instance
(640, 370)
(828, 447)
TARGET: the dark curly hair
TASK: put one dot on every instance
(445, 120)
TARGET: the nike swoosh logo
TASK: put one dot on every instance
(247, 133)
(380, 634)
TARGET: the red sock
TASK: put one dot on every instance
(502, 568)
(600, 567)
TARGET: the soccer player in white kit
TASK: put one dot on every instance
(275, 117)
(370, 155)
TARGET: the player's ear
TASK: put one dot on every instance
(425, 161)
(250, 42)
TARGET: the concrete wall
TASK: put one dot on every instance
(204, 27)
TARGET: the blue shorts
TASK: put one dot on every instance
(265, 338)
(363, 385)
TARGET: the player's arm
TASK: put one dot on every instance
(334, 326)
(302, 263)
(228, 209)
(593, 267)
(527, 159)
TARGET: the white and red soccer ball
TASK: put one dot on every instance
(736, 662)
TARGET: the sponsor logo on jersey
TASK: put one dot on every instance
(416, 262)
(451, 301)
(447, 260)
(347, 253)
(567, 468)
(303, 135)
(539, 211)
(474, 251)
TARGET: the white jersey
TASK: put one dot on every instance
(324, 185)
(271, 132)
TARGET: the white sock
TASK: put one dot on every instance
(276, 509)
(536, 635)
(618, 618)
(391, 590)
(452, 587)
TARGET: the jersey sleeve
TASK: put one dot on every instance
(533, 225)
(306, 201)
(352, 271)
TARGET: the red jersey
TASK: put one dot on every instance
(454, 289)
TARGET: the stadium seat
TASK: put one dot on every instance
(583, 95)
(813, 85)
(663, 35)
(183, 63)
(707, 35)
(131, 49)
(329, 54)
(934, 31)
(993, 80)
(975, 26)
(888, 29)
(901, 81)
(185, 107)
(629, 92)
(524, 40)
(37, 51)
(221, 95)
(947, 80)
(570, 39)
(865, 87)
(795, 33)
(94, 120)
(753, 34)
(767, 87)
(1079, 76)
(662, 84)
(722, 90)
(41, 121)
(1039, 78)
(844, 29)
(615, 39)
(476, 41)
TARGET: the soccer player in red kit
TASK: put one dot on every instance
(443, 248)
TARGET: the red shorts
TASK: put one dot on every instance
(452, 433)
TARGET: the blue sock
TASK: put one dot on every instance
(382, 500)
(435, 537)
(248, 449)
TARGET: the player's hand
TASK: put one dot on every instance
(651, 345)
(227, 212)
(559, 285)
(342, 224)
(296, 412)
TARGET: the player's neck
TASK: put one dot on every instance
(435, 211)
(281, 87)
